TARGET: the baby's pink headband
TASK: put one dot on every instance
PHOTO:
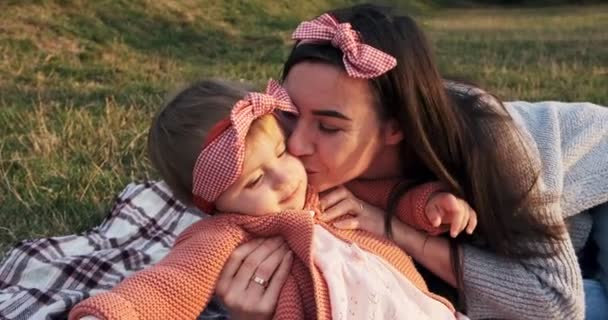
(220, 163)
(361, 60)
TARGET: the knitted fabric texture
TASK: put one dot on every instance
(570, 143)
(183, 283)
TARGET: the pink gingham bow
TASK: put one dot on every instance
(220, 163)
(361, 60)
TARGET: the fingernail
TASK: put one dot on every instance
(312, 213)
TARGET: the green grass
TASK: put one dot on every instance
(558, 53)
(80, 81)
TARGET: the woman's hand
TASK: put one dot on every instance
(252, 278)
(446, 209)
(339, 202)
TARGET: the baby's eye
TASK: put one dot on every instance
(255, 182)
(282, 153)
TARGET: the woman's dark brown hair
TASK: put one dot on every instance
(476, 151)
(178, 131)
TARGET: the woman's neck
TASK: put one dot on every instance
(387, 164)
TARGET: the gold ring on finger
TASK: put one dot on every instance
(261, 281)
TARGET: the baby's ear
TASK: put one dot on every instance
(392, 133)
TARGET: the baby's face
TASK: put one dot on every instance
(272, 180)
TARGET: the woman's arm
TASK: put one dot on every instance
(410, 207)
(425, 207)
(497, 287)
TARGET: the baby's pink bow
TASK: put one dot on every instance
(221, 162)
(361, 60)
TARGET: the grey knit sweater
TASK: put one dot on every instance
(571, 142)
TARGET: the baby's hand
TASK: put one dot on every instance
(446, 209)
(340, 202)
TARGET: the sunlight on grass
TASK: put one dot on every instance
(61, 166)
(527, 54)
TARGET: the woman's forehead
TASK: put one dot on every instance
(318, 86)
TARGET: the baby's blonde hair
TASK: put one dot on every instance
(180, 128)
(264, 127)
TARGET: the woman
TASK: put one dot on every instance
(531, 172)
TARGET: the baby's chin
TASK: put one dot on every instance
(298, 203)
(297, 206)
(301, 201)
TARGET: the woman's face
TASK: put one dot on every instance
(338, 133)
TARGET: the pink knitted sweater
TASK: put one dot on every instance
(180, 285)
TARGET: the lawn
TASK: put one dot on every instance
(80, 81)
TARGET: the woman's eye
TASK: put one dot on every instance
(327, 129)
(254, 182)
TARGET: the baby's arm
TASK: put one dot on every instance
(178, 287)
(410, 207)
(425, 207)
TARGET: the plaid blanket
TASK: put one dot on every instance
(44, 278)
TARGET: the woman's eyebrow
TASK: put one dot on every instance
(330, 113)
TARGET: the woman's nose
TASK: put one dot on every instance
(300, 142)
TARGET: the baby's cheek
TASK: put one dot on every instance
(295, 167)
(300, 168)
(261, 205)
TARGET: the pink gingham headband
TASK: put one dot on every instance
(361, 60)
(220, 163)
